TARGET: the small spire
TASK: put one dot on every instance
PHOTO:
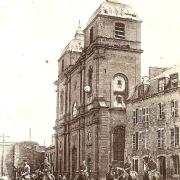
(79, 30)
(79, 26)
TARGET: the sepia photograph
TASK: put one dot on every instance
(90, 90)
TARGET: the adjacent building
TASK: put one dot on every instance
(13, 154)
(97, 71)
(153, 122)
(50, 154)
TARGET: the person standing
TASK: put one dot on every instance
(127, 167)
(46, 168)
(26, 171)
(109, 175)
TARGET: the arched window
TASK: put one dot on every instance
(119, 83)
(119, 90)
(62, 102)
(118, 143)
(119, 30)
(90, 77)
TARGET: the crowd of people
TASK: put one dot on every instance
(114, 173)
(126, 173)
(24, 172)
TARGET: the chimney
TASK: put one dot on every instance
(155, 71)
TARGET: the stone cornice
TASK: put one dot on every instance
(152, 95)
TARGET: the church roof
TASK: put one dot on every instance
(114, 8)
(77, 43)
(151, 88)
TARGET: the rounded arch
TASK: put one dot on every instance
(120, 83)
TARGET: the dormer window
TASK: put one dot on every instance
(141, 91)
(119, 31)
(174, 80)
(161, 84)
(91, 35)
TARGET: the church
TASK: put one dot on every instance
(97, 73)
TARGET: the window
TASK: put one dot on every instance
(137, 116)
(160, 135)
(135, 143)
(161, 108)
(119, 31)
(174, 108)
(62, 65)
(91, 35)
(135, 165)
(134, 118)
(141, 91)
(119, 84)
(175, 164)
(118, 143)
(90, 77)
(119, 99)
(174, 136)
(145, 117)
(161, 84)
(174, 80)
(141, 139)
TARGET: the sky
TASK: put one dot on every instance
(32, 36)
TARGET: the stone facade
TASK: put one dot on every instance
(15, 153)
(30, 151)
(50, 154)
(93, 84)
(153, 121)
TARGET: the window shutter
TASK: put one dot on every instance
(172, 137)
(176, 109)
(176, 136)
(159, 136)
(137, 114)
(143, 115)
(140, 116)
(172, 109)
(134, 117)
(163, 111)
(137, 142)
(163, 138)
(134, 141)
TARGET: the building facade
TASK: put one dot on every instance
(50, 154)
(96, 72)
(153, 121)
(30, 151)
